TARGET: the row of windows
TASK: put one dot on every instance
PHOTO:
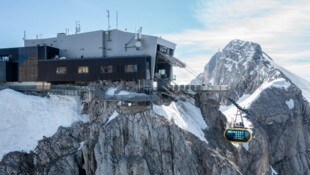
(131, 68)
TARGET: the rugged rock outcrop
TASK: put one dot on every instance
(139, 142)
(280, 110)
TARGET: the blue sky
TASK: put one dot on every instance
(47, 18)
(198, 27)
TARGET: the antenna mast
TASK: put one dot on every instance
(24, 35)
(77, 27)
(108, 12)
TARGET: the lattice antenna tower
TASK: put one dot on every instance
(77, 27)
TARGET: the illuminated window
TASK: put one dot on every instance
(61, 70)
(131, 68)
(83, 70)
(106, 69)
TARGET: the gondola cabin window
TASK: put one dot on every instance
(131, 68)
(61, 70)
(83, 70)
(106, 69)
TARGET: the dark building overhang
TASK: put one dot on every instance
(171, 60)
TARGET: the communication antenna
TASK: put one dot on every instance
(138, 37)
(77, 27)
(67, 31)
(108, 12)
(24, 35)
(140, 33)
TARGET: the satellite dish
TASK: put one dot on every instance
(138, 44)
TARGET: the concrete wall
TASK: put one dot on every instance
(116, 46)
(89, 44)
(102, 44)
(118, 40)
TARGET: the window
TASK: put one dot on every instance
(83, 70)
(106, 69)
(162, 71)
(131, 68)
(61, 70)
(4, 58)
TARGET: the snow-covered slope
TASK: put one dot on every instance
(303, 84)
(244, 66)
(25, 119)
(185, 115)
(247, 99)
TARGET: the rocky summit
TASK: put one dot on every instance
(186, 136)
(278, 100)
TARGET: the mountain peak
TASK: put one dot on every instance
(241, 64)
(239, 49)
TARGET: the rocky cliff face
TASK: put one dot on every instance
(135, 139)
(280, 108)
(130, 140)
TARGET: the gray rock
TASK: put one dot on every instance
(281, 135)
(138, 141)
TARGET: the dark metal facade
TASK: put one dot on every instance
(47, 53)
(2, 71)
(12, 53)
(23, 62)
(8, 71)
(39, 64)
(48, 69)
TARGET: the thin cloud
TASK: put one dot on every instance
(282, 28)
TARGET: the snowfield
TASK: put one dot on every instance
(246, 100)
(25, 119)
(185, 115)
(301, 83)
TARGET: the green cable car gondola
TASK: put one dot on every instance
(238, 133)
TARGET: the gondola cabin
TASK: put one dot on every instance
(238, 135)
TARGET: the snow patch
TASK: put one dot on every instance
(273, 172)
(290, 104)
(246, 100)
(81, 145)
(246, 146)
(111, 91)
(113, 116)
(25, 119)
(126, 93)
(185, 115)
(211, 81)
(279, 83)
